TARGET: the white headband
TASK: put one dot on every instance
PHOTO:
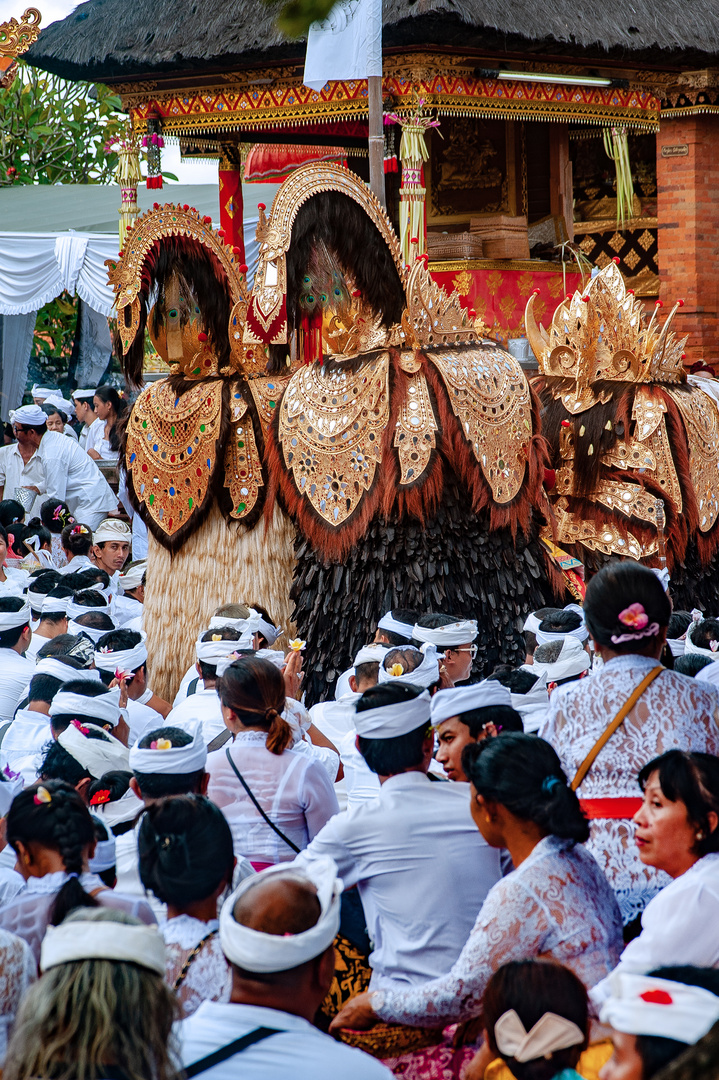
(462, 699)
(275, 656)
(30, 415)
(122, 659)
(93, 634)
(256, 951)
(371, 654)
(550, 1033)
(211, 652)
(104, 857)
(394, 626)
(112, 529)
(132, 578)
(12, 620)
(531, 623)
(120, 810)
(104, 707)
(389, 721)
(643, 1005)
(76, 611)
(8, 790)
(54, 603)
(424, 675)
(71, 941)
(545, 636)
(98, 755)
(162, 759)
(43, 391)
(247, 628)
(690, 647)
(82, 394)
(677, 646)
(268, 630)
(461, 632)
(573, 659)
(53, 665)
(61, 403)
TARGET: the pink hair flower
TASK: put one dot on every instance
(634, 616)
(122, 674)
(83, 730)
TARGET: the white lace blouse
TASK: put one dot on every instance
(18, 969)
(557, 904)
(675, 711)
(292, 788)
(209, 976)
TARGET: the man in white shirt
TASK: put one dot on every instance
(83, 400)
(453, 637)
(421, 866)
(204, 704)
(125, 651)
(276, 930)
(111, 547)
(66, 472)
(467, 714)
(16, 670)
(52, 619)
(20, 466)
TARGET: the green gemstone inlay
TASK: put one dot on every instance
(241, 507)
(241, 444)
(202, 427)
(272, 404)
(189, 503)
(151, 500)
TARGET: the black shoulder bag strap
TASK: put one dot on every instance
(229, 1051)
(247, 788)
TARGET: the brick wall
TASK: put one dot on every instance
(688, 213)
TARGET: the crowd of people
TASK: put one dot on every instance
(438, 871)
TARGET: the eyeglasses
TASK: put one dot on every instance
(471, 649)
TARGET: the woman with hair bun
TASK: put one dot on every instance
(642, 708)
(76, 540)
(187, 861)
(275, 799)
(556, 903)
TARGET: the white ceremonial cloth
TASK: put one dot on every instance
(72, 476)
(77, 562)
(16, 580)
(301, 1051)
(204, 705)
(37, 267)
(674, 712)
(680, 926)
(24, 740)
(15, 673)
(124, 608)
(401, 849)
(293, 788)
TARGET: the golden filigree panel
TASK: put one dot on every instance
(625, 498)
(605, 538)
(266, 394)
(330, 430)
(629, 455)
(648, 409)
(665, 473)
(243, 471)
(416, 433)
(171, 450)
(433, 317)
(490, 397)
(701, 422)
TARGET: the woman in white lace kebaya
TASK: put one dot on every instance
(555, 904)
(627, 613)
(187, 861)
(292, 789)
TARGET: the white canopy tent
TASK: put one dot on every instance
(38, 261)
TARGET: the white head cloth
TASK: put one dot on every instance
(461, 699)
(113, 529)
(93, 634)
(122, 659)
(54, 603)
(104, 857)
(268, 630)
(12, 620)
(545, 636)
(256, 951)
(132, 578)
(690, 647)
(389, 721)
(42, 392)
(643, 1005)
(53, 665)
(121, 810)
(342, 686)
(76, 611)
(80, 940)
(82, 394)
(29, 416)
(550, 1033)
(461, 632)
(98, 756)
(371, 654)
(8, 790)
(171, 760)
(531, 623)
(61, 403)
(573, 659)
(425, 674)
(104, 707)
(211, 652)
(533, 705)
(274, 656)
(394, 626)
(247, 627)
(677, 646)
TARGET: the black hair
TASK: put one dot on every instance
(185, 849)
(160, 785)
(29, 531)
(368, 671)
(11, 513)
(387, 757)
(560, 622)
(43, 688)
(117, 783)
(62, 824)
(524, 774)
(693, 779)
(40, 586)
(504, 718)
(679, 623)
(610, 592)
(55, 515)
(532, 988)
(254, 690)
(77, 538)
(691, 663)
(96, 620)
(90, 598)
(517, 680)
(656, 1051)
(108, 877)
(49, 410)
(89, 576)
(225, 633)
(10, 638)
(86, 689)
(110, 396)
(704, 633)
(403, 615)
(62, 645)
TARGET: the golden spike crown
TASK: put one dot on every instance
(17, 37)
(602, 334)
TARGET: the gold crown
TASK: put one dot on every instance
(602, 335)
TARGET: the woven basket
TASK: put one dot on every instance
(503, 237)
(464, 245)
(391, 1040)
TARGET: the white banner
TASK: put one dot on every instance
(346, 45)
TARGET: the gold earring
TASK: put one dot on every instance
(487, 819)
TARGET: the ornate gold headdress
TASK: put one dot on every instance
(602, 335)
(15, 39)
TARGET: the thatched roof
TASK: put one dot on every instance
(114, 39)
